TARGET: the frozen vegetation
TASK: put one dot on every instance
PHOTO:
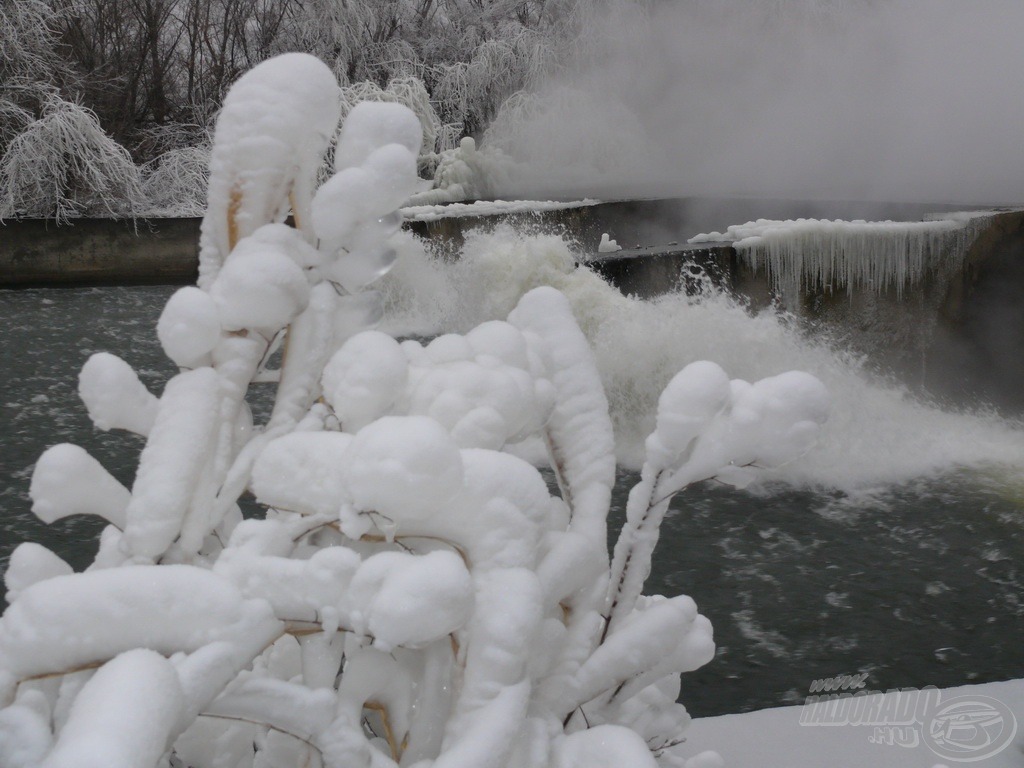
(527, 98)
(106, 108)
(607, 244)
(413, 594)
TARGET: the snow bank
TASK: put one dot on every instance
(775, 738)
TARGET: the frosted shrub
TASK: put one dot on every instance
(175, 181)
(64, 165)
(414, 595)
(408, 91)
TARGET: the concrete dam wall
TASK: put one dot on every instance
(37, 252)
(957, 332)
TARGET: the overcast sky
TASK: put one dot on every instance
(917, 100)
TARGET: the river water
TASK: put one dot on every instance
(896, 549)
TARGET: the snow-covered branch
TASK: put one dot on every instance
(413, 593)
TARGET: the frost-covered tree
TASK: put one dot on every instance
(413, 594)
(63, 164)
(154, 72)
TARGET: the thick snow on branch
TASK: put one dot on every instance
(172, 461)
(64, 165)
(124, 716)
(114, 396)
(823, 254)
(259, 287)
(189, 327)
(68, 481)
(31, 563)
(603, 746)
(301, 472)
(579, 432)
(371, 125)
(68, 622)
(274, 126)
(365, 378)
(709, 427)
(413, 594)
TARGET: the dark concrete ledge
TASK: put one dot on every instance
(653, 271)
(37, 252)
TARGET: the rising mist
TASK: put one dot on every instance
(895, 100)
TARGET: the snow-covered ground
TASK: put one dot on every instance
(775, 738)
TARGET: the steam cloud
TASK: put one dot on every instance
(898, 100)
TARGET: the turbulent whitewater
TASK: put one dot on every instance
(878, 433)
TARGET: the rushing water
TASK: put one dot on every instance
(895, 549)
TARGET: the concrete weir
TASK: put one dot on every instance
(656, 270)
(956, 332)
(39, 252)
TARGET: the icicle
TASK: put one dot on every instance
(817, 254)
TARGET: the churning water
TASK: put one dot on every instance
(896, 548)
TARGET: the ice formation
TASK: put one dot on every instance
(413, 594)
(607, 245)
(417, 211)
(827, 255)
(465, 173)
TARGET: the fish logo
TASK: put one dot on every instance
(970, 728)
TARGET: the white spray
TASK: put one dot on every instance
(878, 434)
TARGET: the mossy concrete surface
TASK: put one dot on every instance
(37, 252)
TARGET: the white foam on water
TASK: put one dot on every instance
(877, 435)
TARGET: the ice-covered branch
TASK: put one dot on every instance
(114, 396)
(579, 432)
(274, 126)
(708, 426)
(412, 594)
(68, 481)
